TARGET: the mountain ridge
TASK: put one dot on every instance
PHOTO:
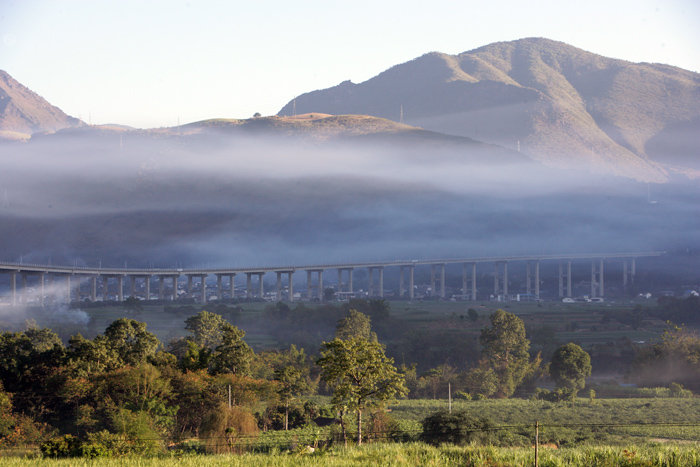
(23, 112)
(564, 106)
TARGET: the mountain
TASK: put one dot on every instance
(23, 112)
(564, 106)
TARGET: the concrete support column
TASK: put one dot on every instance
(203, 280)
(432, 280)
(340, 280)
(308, 285)
(402, 289)
(370, 285)
(474, 282)
(132, 279)
(261, 284)
(25, 289)
(120, 288)
(105, 288)
(495, 280)
(320, 285)
(248, 285)
(13, 287)
(528, 279)
(148, 288)
(593, 279)
(93, 287)
(290, 290)
(350, 286)
(161, 288)
(537, 280)
(442, 281)
(634, 270)
(219, 287)
(232, 285)
(381, 281)
(624, 274)
(279, 286)
(42, 288)
(561, 281)
(601, 273)
(174, 296)
(568, 279)
(505, 281)
(68, 287)
(411, 270)
(189, 284)
(464, 280)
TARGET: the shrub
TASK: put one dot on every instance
(227, 429)
(459, 427)
(62, 446)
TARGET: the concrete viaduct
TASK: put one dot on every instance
(73, 278)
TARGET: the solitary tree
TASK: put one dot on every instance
(506, 351)
(360, 375)
(569, 368)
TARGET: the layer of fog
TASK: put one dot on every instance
(245, 200)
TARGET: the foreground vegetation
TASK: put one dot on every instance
(419, 454)
(123, 393)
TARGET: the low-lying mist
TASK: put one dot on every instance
(217, 199)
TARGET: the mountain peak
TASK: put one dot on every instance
(562, 105)
(23, 112)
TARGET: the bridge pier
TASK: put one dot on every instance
(279, 286)
(13, 287)
(290, 287)
(496, 282)
(93, 288)
(120, 288)
(175, 278)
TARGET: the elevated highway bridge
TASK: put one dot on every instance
(111, 280)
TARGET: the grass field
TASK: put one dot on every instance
(416, 454)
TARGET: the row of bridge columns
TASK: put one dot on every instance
(345, 282)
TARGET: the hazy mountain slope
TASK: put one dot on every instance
(564, 106)
(22, 112)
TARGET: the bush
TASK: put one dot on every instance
(459, 427)
(462, 395)
(228, 429)
(62, 446)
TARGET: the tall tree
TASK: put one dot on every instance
(505, 350)
(360, 375)
(207, 329)
(354, 324)
(569, 368)
(292, 383)
(129, 339)
(233, 355)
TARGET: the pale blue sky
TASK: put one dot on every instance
(160, 62)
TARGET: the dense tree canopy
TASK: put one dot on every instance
(505, 350)
(569, 367)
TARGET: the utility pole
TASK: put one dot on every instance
(229, 396)
(449, 397)
(537, 443)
